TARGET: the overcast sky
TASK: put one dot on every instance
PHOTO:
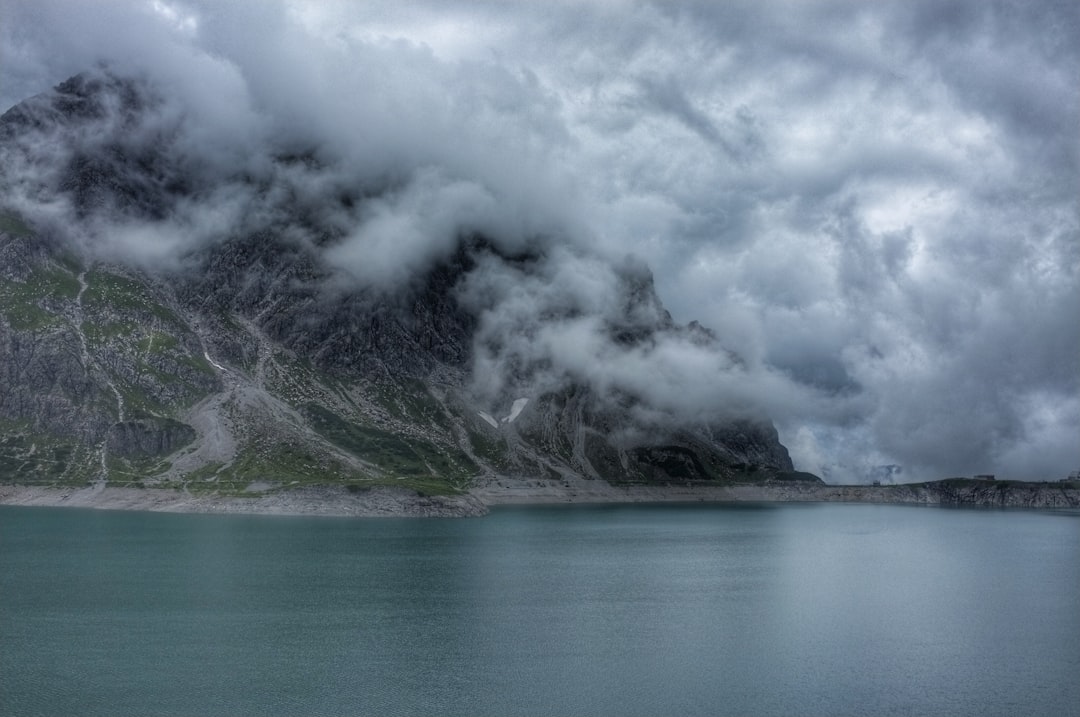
(877, 204)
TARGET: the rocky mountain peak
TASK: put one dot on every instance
(286, 322)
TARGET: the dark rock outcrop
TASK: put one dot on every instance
(148, 437)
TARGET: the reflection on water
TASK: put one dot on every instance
(784, 609)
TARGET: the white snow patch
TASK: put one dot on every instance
(213, 363)
(516, 409)
(489, 419)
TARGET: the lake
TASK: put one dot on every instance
(781, 609)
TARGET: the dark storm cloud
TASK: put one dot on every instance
(874, 203)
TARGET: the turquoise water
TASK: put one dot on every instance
(635, 610)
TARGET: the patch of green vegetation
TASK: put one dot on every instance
(13, 224)
(149, 367)
(204, 473)
(54, 282)
(282, 463)
(138, 403)
(427, 486)
(397, 456)
(385, 396)
(31, 458)
(418, 403)
(157, 342)
(28, 317)
(490, 450)
(198, 363)
(119, 292)
(292, 466)
(409, 401)
(159, 376)
(103, 333)
(126, 471)
(22, 301)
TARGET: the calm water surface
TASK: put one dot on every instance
(650, 610)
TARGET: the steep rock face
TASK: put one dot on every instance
(148, 437)
(84, 354)
(253, 361)
(280, 287)
(119, 162)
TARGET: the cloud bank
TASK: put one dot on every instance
(874, 205)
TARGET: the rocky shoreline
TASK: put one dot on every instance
(321, 500)
(958, 492)
(385, 501)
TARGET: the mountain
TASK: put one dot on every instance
(172, 317)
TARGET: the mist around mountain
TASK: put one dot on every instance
(224, 313)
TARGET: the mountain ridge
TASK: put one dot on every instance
(249, 357)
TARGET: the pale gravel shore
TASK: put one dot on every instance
(387, 501)
(971, 493)
(505, 491)
(391, 502)
(324, 500)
